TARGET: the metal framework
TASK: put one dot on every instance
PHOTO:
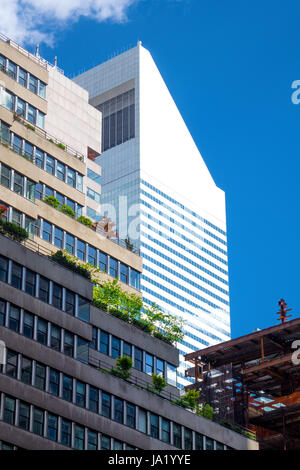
(254, 380)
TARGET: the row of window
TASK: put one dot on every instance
(15, 104)
(144, 362)
(82, 250)
(42, 191)
(46, 333)
(17, 182)
(47, 291)
(41, 159)
(105, 404)
(23, 77)
(93, 176)
(20, 219)
(56, 428)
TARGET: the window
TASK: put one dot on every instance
(79, 437)
(209, 444)
(70, 302)
(118, 410)
(40, 376)
(50, 164)
(42, 89)
(92, 440)
(103, 261)
(40, 120)
(135, 279)
(39, 191)
(9, 410)
(83, 309)
(171, 375)
(130, 415)
(58, 237)
(49, 191)
(66, 432)
(93, 176)
(31, 114)
(28, 325)
(70, 243)
(24, 416)
(142, 420)
(21, 107)
(105, 442)
(47, 231)
(188, 439)
(14, 319)
(16, 275)
(71, 177)
(17, 143)
(115, 347)
(33, 84)
(160, 367)
(39, 158)
(80, 250)
(30, 282)
(67, 388)
(30, 190)
(69, 344)
(12, 70)
(113, 267)
(22, 78)
(60, 197)
(104, 343)
(3, 269)
(70, 203)
(219, 446)
(55, 338)
(106, 405)
(38, 421)
(82, 350)
(124, 273)
(166, 431)
(2, 312)
(118, 445)
(199, 441)
(154, 426)
(94, 342)
(52, 427)
(7, 100)
(92, 256)
(18, 183)
(60, 170)
(127, 349)
(79, 182)
(93, 195)
(138, 359)
(80, 394)
(5, 175)
(57, 296)
(26, 370)
(54, 382)
(93, 399)
(149, 364)
(12, 364)
(177, 437)
(42, 331)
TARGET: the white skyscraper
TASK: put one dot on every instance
(151, 168)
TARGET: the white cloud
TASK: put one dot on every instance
(32, 21)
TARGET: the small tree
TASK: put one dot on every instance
(189, 400)
(159, 383)
(108, 294)
(122, 367)
(205, 410)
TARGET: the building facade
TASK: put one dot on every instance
(56, 387)
(157, 188)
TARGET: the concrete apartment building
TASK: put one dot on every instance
(56, 391)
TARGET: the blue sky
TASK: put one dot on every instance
(229, 66)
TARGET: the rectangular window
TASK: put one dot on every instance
(103, 261)
(79, 182)
(21, 107)
(22, 79)
(83, 309)
(93, 176)
(82, 350)
(115, 347)
(14, 319)
(24, 416)
(104, 343)
(4, 132)
(199, 441)
(12, 70)
(47, 231)
(31, 114)
(93, 195)
(5, 176)
(80, 250)
(42, 89)
(135, 279)
(177, 436)
(142, 420)
(118, 410)
(33, 84)
(70, 302)
(40, 376)
(30, 282)
(171, 375)
(149, 364)
(40, 120)
(58, 237)
(219, 446)
(9, 410)
(66, 432)
(70, 243)
(92, 255)
(80, 393)
(30, 190)
(55, 338)
(28, 325)
(124, 273)
(79, 437)
(127, 349)
(50, 164)
(113, 267)
(54, 382)
(12, 364)
(94, 342)
(130, 415)
(67, 388)
(16, 275)
(94, 399)
(106, 405)
(18, 183)
(71, 177)
(26, 370)
(3, 269)
(2, 312)
(138, 359)
(118, 445)
(42, 331)
(57, 296)
(69, 344)
(166, 431)
(209, 444)
(39, 158)
(105, 442)
(160, 367)
(28, 150)
(188, 439)
(71, 204)
(38, 422)
(52, 427)
(154, 426)
(92, 440)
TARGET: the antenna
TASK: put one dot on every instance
(37, 50)
(283, 311)
(55, 61)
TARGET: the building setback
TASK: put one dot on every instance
(56, 391)
(157, 188)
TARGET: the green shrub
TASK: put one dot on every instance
(122, 367)
(85, 221)
(52, 201)
(13, 231)
(67, 210)
(159, 383)
(205, 410)
(61, 146)
(68, 262)
(189, 400)
(29, 126)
